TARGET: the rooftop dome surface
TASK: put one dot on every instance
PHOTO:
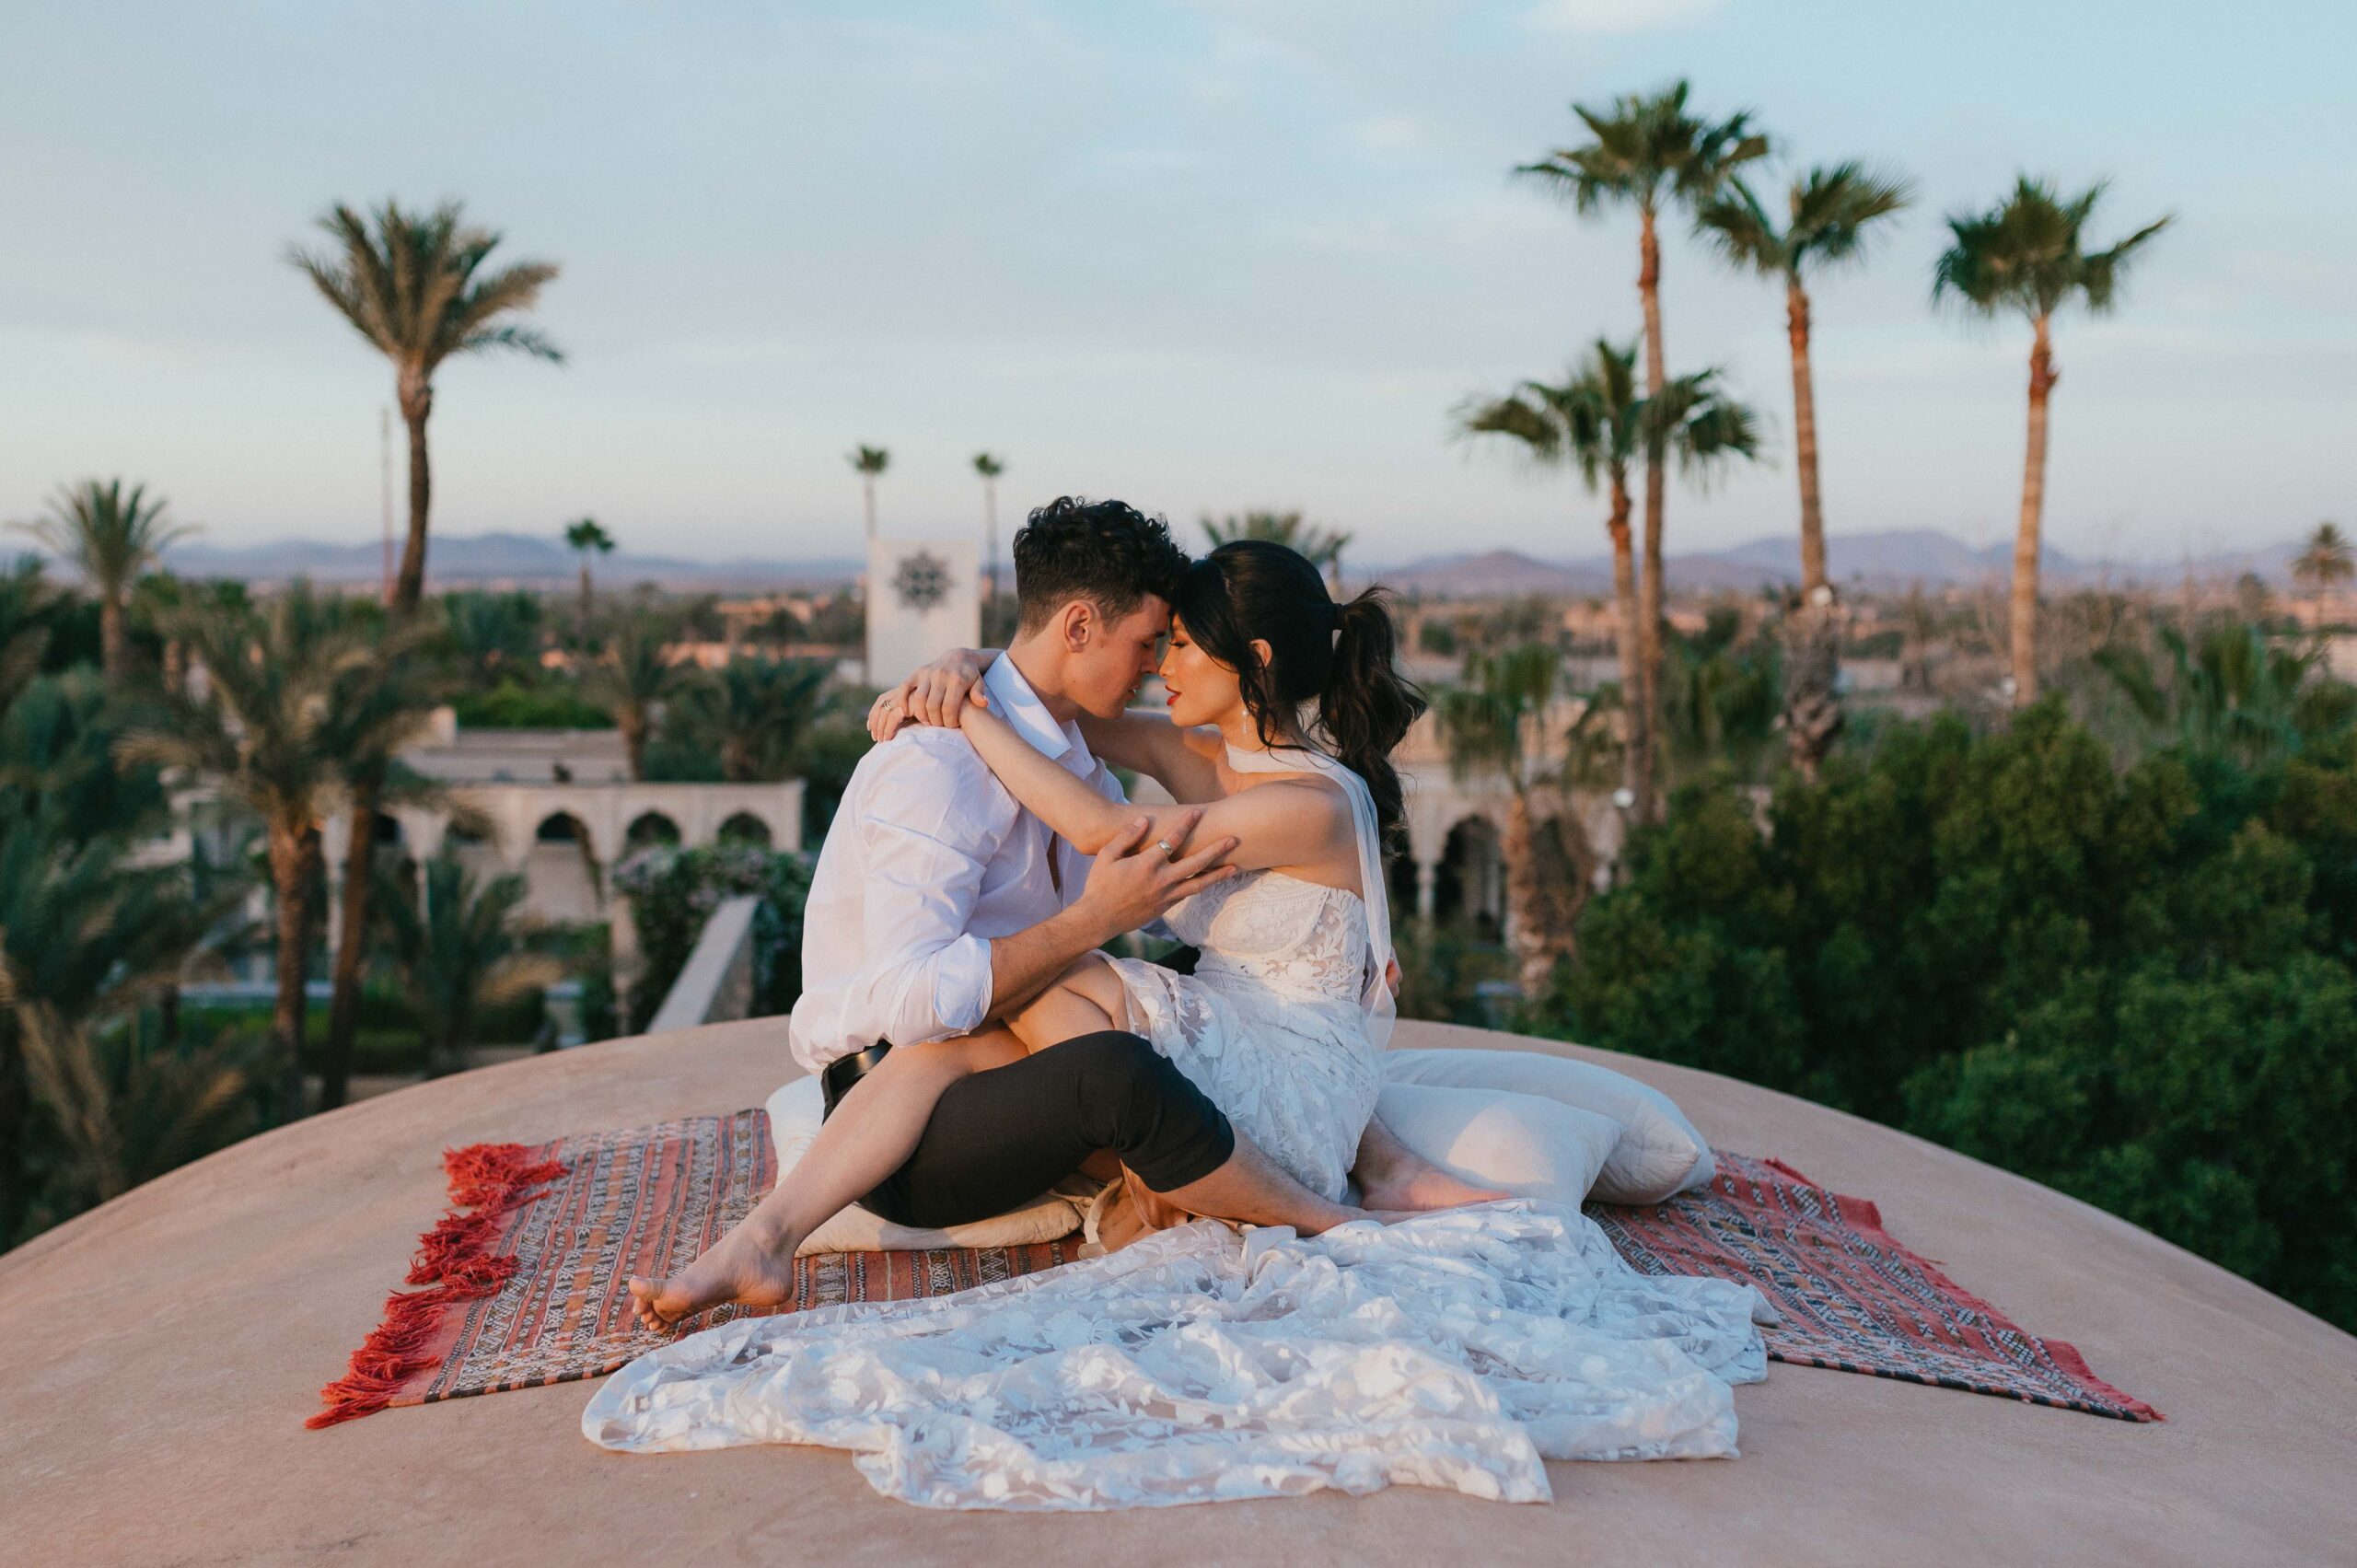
(158, 1354)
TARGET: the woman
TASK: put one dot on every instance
(1455, 1349)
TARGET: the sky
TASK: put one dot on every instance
(1204, 255)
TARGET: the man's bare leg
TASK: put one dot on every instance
(874, 1129)
(1392, 1175)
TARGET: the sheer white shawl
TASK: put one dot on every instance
(1382, 1007)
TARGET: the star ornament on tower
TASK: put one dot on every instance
(922, 581)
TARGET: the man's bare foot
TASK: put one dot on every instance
(1415, 1186)
(749, 1265)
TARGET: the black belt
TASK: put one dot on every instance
(845, 1070)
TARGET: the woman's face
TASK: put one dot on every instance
(1197, 688)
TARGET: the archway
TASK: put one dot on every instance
(649, 828)
(562, 877)
(744, 828)
(1471, 884)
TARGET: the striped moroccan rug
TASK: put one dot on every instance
(524, 1278)
(1851, 1297)
(521, 1284)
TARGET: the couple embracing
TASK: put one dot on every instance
(976, 1048)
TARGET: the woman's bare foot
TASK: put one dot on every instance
(751, 1264)
(1415, 1185)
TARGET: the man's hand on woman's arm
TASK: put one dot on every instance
(1132, 882)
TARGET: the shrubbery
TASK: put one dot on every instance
(2133, 984)
(673, 891)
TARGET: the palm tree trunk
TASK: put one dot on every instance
(360, 855)
(631, 720)
(111, 650)
(584, 599)
(990, 539)
(351, 944)
(1649, 585)
(2042, 376)
(290, 870)
(1649, 639)
(1626, 644)
(1812, 643)
(1804, 440)
(867, 486)
(417, 404)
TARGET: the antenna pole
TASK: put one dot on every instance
(384, 453)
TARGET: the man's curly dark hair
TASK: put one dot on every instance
(1107, 553)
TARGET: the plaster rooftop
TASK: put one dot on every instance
(158, 1356)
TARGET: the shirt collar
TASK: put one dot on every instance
(1013, 700)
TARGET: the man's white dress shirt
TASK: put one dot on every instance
(929, 857)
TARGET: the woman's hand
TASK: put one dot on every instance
(937, 694)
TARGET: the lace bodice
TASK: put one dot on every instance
(1301, 940)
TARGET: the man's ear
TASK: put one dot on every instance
(1078, 621)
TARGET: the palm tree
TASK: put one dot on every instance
(585, 538)
(2325, 563)
(1591, 423)
(418, 287)
(2229, 691)
(1648, 152)
(1323, 547)
(2028, 255)
(110, 539)
(753, 713)
(990, 468)
(292, 708)
(868, 462)
(1830, 210)
(456, 954)
(632, 676)
(1488, 723)
(86, 935)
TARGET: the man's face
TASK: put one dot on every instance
(1120, 654)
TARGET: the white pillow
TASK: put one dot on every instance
(1660, 1152)
(795, 1111)
(1531, 1146)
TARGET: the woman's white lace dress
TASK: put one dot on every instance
(1458, 1349)
(1270, 1024)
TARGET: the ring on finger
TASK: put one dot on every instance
(1167, 852)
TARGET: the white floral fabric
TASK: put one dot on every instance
(1270, 1024)
(1456, 1350)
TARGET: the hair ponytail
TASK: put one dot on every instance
(1337, 661)
(1367, 705)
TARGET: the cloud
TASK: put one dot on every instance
(1615, 15)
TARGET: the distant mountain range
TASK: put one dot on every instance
(525, 560)
(1891, 560)
(1894, 560)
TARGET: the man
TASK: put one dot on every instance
(939, 904)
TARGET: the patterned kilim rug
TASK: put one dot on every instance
(525, 1276)
(1851, 1297)
(522, 1282)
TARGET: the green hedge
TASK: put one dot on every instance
(673, 891)
(2133, 984)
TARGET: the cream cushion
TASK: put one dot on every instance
(795, 1111)
(1527, 1145)
(1658, 1152)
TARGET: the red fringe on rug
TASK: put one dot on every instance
(455, 1260)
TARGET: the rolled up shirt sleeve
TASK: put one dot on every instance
(928, 832)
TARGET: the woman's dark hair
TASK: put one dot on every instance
(1341, 655)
